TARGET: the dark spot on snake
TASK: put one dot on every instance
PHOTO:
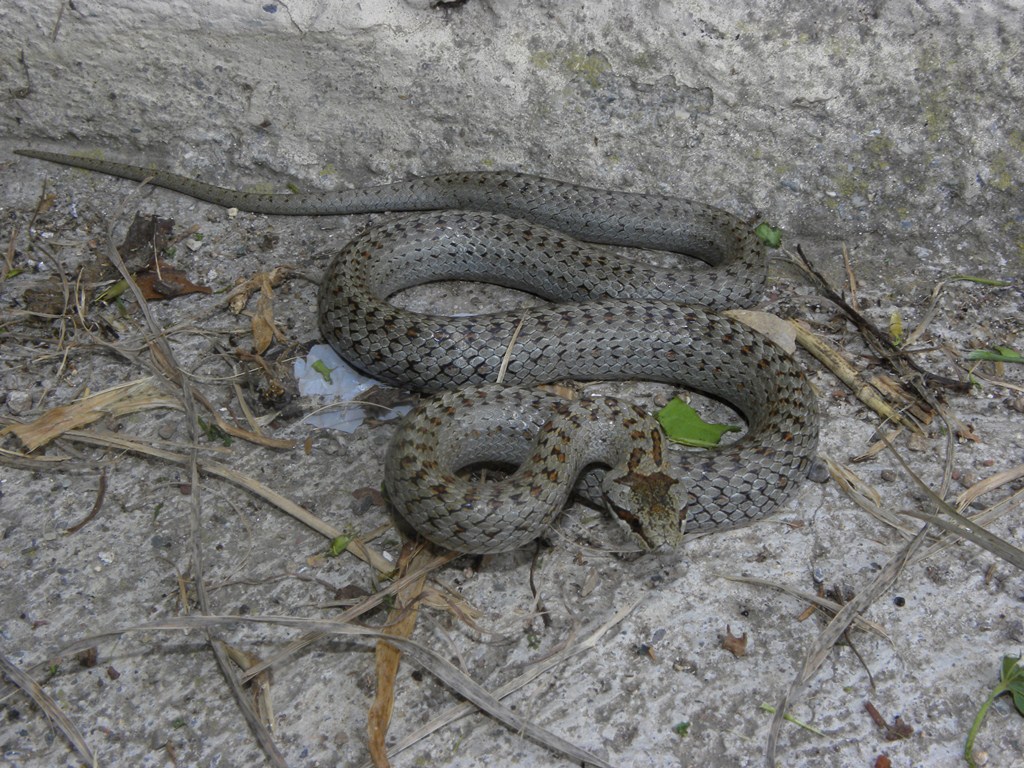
(656, 447)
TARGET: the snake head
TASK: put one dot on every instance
(651, 503)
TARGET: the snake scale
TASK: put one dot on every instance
(609, 319)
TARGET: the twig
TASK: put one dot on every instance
(355, 546)
(926, 319)
(835, 629)
(461, 710)
(851, 278)
(97, 505)
(982, 518)
(164, 358)
(507, 357)
(948, 519)
(871, 393)
(50, 708)
(878, 340)
(353, 613)
(813, 599)
(454, 678)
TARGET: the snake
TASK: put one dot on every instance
(603, 317)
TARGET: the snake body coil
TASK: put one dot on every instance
(622, 321)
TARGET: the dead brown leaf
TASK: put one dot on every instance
(240, 294)
(895, 732)
(124, 398)
(263, 329)
(161, 281)
(259, 684)
(401, 623)
(734, 644)
(982, 487)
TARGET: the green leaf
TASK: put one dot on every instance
(896, 327)
(112, 292)
(770, 236)
(1011, 680)
(1017, 692)
(793, 720)
(684, 425)
(214, 433)
(320, 367)
(1010, 669)
(1012, 676)
(338, 545)
(997, 355)
(681, 729)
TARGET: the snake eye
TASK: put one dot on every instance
(629, 519)
(635, 526)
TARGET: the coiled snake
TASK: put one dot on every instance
(614, 320)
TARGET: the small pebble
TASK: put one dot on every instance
(19, 402)
(818, 473)
(887, 475)
(1017, 404)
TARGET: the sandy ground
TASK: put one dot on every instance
(890, 129)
